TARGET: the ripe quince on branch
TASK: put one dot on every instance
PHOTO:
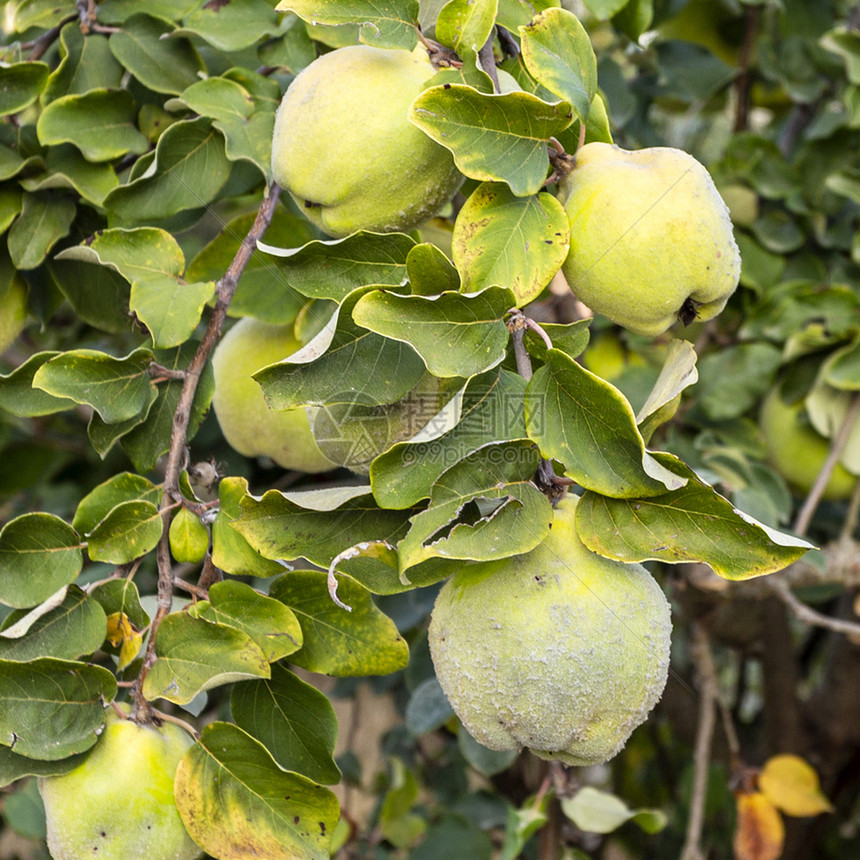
(650, 237)
(558, 650)
(346, 152)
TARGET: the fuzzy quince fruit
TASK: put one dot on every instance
(119, 803)
(797, 450)
(558, 650)
(346, 152)
(651, 238)
(248, 425)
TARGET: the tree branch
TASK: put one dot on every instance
(701, 654)
(177, 453)
(804, 516)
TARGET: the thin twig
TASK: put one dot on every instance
(809, 615)
(703, 659)
(742, 81)
(804, 516)
(177, 453)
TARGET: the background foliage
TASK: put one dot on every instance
(134, 156)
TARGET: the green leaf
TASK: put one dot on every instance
(842, 368)
(634, 18)
(514, 14)
(103, 436)
(581, 420)
(500, 138)
(268, 622)
(230, 551)
(293, 720)
(73, 629)
(247, 131)
(693, 523)
(844, 41)
(161, 62)
(383, 23)
(678, 372)
(121, 595)
(484, 760)
(20, 85)
(100, 123)
(147, 441)
(66, 168)
(430, 272)
(194, 655)
(263, 290)
(465, 25)
(515, 242)
(44, 220)
(51, 708)
(338, 642)
(557, 51)
(39, 554)
(456, 334)
(481, 509)
(14, 767)
(236, 802)
(569, 338)
(44, 14)
(10, 206)
(86, 63)
(119, 11)
(428, 708)
(605, 9)
(335, 367)
(98, 295)
(170, 308)
(189, 170)
(489, 410)
(18, 397)
(597, 811)
(128, 532)
(316, 525)
(332, 269)
(522, 824)
(117, 388)
(231, 26)
(152, 261)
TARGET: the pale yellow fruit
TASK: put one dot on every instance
(650, 237)
(558, 650)
(797, 451)
(248, 425)
(345, 150)
(119, 803)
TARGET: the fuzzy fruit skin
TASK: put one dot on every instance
(346, 152)
(119, 804)
(248, 425)
(648, 231)
(558, 650)
(797, 450)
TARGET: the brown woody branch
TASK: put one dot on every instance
(177, 453)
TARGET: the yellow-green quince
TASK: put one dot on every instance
(346, 152)
(558, 650)
(650, 237)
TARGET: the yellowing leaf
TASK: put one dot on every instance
(121, 632)
(760, 833)
(791, 784)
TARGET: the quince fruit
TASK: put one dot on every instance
(651, 238)
(119, 803)
(797, 450)
(558, 650)
(346, 152)
(248, 425)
